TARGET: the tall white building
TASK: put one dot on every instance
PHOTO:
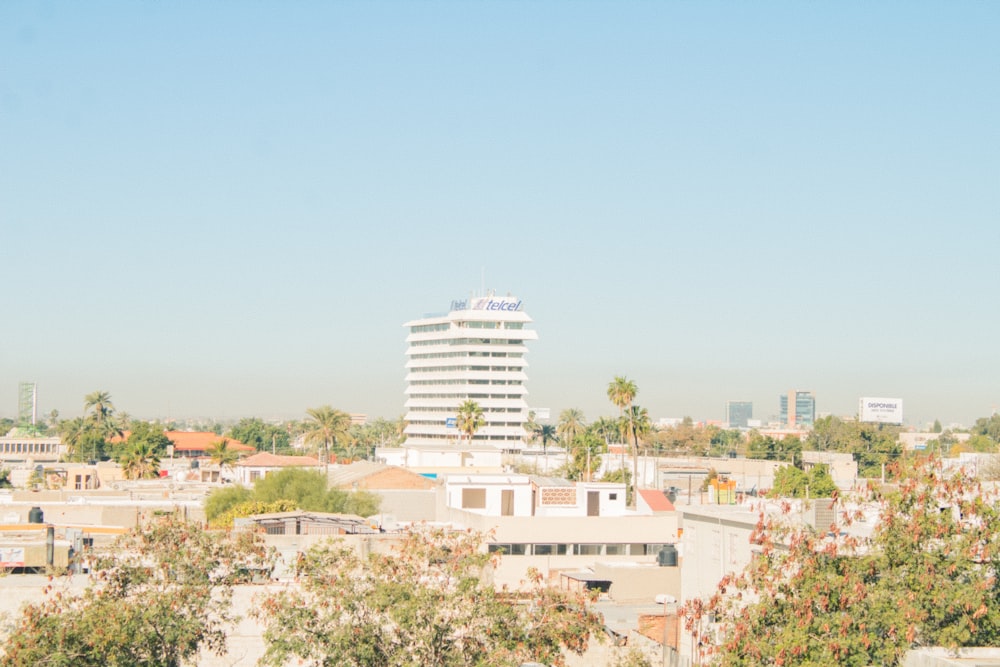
(474, 352)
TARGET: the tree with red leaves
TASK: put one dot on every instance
(926, 576)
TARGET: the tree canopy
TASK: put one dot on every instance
(158, 597)
(429, 602)
(927, 576)
(296, 489)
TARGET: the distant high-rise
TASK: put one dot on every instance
(798, 408)
(474, 352)
(739, 413)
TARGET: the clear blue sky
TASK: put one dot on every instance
(229, 209)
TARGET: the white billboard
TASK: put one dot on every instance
(881, 410)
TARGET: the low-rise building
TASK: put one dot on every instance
(259, 465)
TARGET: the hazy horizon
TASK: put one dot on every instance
(211, 210)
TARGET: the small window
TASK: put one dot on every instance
(612, 496)
(474, 499)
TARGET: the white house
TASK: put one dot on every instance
(530, 495)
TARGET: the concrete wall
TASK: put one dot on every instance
(408, 505)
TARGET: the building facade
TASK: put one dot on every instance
(474, 352)
(798, 408)
(739, 413)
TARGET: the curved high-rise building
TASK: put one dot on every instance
(473, 352)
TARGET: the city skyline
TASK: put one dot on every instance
(218, 213)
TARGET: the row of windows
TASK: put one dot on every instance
(29, 447)
(437, 422)
(452, 410)
(426, 328)
(606, 549)
(444, 438)
(460, 355)
(465, 395)
(469, 341)
(448, 369)
(480, 324)
(435, 383)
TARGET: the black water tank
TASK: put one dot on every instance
(667, 556)
(35, 515)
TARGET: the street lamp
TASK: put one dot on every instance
(665, 599)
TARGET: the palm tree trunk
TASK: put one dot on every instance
(635, 468)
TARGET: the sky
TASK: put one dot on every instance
(218, 209)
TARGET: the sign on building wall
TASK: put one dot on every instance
(881, 410)
(11, 556)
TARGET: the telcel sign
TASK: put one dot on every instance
(881, 410)
(505, 303)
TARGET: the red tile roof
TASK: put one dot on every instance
(200, 441)
(656, 500)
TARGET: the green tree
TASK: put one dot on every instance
(250, 508)
(160, 596)
(141, 460)
(571, 424)
(83, 440)
(586, 449)
(150, 437)
(308, 490)
(469, 419)
(621, 392)
(765, 447)
(872, 445)
(261, 436)
(222, 500)
(988, 426)
(327, 429)
(925, 577)
(724, 442)
(101, 411)
(790, 482)
(547, 433)
(378, 433)
(427, 603)
(222, 455)
(686, 438)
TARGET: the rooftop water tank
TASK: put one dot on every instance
(667, 557)
(35, 515)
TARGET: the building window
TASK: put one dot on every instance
(474, 499)
(612, 496)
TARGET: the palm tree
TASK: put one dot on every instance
(640, 426)
(141, 461)
(547, 433)
(221, 454)
(571, 424)
(328, 428)
(103, 412)
(469, 419)
(621, 392)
